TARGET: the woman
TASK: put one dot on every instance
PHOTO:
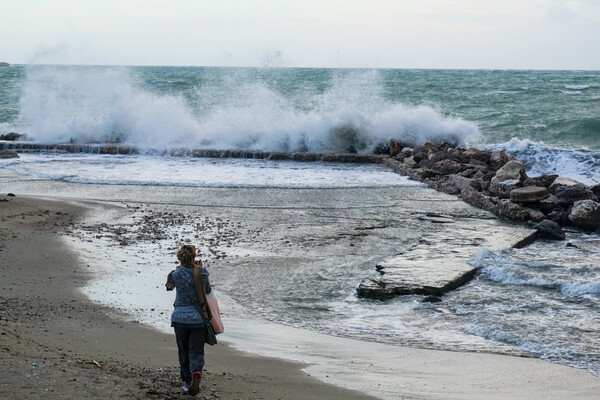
(187, 320)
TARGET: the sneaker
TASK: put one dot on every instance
(195, 386)
(186, 387)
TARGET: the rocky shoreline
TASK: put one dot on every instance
(497, 183)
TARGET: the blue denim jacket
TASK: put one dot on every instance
(187, 304)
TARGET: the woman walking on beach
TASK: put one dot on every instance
(187, 320)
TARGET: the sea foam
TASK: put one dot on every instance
(582, 165)
(109, 104)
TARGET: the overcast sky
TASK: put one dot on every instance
(523, 34)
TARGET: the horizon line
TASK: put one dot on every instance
(306, 67)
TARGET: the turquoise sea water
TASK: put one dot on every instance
(551, 118)
(257, 106)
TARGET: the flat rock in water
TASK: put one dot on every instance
(433, 269)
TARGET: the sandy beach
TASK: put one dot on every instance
(57, 343)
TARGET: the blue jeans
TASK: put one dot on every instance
(190, 342)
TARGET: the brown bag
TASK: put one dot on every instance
(211, 336)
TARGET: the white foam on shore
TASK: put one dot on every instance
(202, 172)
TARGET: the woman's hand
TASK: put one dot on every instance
(199, 262)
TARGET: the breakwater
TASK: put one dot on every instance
(110, 149)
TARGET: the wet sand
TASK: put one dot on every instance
(56, 343)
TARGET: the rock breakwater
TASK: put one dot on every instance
(493, 181)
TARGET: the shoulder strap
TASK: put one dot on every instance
(199, 283)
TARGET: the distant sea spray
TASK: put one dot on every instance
(236, 109)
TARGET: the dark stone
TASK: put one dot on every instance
(571, 194)
(542, 180)
(395, 147)
(431, 299)
(443, 186)
(372, 289)
(498, 159)
(9, 154)
(515, 212)
(548, 204)
(548, 229)
(469, 152)
(410, 162)
(585, 214)
(468, 173)
(11, 136)
(400, 157)
(562, 181)
(444, 155)
(529, 194)
(596, 190)
(560, 216)
(478, 163)
(475, 198)
(483, 155)
(419, 156)
(382, 148)
(428, 173)
(427, 148)
(503, 189)
(447, 167)
(460, 182)
(425, 163)
(11, 195)
(485, 184)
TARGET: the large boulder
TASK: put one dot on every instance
(11, 136)
(8, 154)
(427, 148)
(409, 162)
(548, 229)
(530, 194)
(511, 171)
(585, 214)
(542, 180)
(507, 178)
(483, 155)
(469, 152)
(596, 190)
(562, 181)
(516, 212)
(446, 155)
(475, 198)
(498, 159)
(447, 167)
(572, 193)
(460, 182)
(548, 204)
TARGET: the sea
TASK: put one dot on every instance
(541, 300)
